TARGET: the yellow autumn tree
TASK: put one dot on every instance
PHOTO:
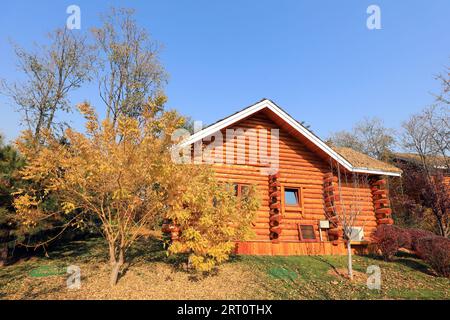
(121, 174)
(210, 218)
(118, 173)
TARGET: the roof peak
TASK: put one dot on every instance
(290, 121)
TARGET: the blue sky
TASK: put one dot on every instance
(316, 59)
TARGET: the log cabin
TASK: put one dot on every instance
(305, 186)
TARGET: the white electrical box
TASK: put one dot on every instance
(357, 234)
(324, 224)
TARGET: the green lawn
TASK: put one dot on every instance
(153, 275)
(322, 277)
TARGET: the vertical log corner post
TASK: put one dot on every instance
(380, 195)
(275, 207)
(332, 206)
(170, 230)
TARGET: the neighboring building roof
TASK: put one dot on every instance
(438, 162)
(297, 126)
(363, 161)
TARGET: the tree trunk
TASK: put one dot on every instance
(3, 254)
(112, 254)
(442, 226)
(116, 267)
(349, 260)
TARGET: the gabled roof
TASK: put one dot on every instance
(297, 126)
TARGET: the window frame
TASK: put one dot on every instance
(300, 234)
(296, 195)
(239, 187)
(289, 207)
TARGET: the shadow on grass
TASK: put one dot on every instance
(95, 250)
(408, 260)
(83, 250)
(328, 263)
(295, 277)
(416, 265)
(151, 250)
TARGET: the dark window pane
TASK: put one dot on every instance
(236, 189)
(307, 232)
(291, 197)
(245, 190)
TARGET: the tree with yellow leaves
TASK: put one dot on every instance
(120, 174)
(211, 218)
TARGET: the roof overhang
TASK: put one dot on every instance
(267, 104)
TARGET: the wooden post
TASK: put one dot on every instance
(380, 196)
(331, 196)
(275, 207)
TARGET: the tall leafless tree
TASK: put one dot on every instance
(369, 136)
(428, 135)
(129, 70)
(444, 96)
(50, 73)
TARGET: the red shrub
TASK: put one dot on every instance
(417, 234)
(435, 251)
(389, 239)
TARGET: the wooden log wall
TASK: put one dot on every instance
(447, 180)
(332, 207)
(360, 198)
(347, 199)
(250, 175)
(298, 165)
(290, 248)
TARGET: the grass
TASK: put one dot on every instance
(322, 277)
(153, 275)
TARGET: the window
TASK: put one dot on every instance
(245, 191)
(291, 197)
(241, 190)
(306, 232)
(236, 189)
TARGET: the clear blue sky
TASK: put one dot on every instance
(316, 59)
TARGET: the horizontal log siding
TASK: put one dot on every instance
(298, 165)
(250, 175)
(359, 200)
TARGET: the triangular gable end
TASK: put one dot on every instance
(285, 117)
